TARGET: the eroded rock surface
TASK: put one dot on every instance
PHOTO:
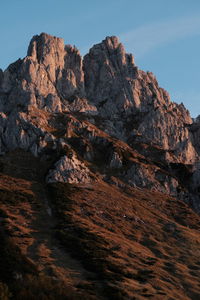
(116, 119)
(122, 92)
(69, 170)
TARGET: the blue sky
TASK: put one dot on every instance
(164, 36)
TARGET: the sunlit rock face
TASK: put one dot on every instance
(62, 64)
(69, 170)
(122, 92)
(49, 77)
(109, 74)
(53, 100)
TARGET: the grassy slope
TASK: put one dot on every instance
(33, 264)
(28, 262)
(126, 244)
(141, 244)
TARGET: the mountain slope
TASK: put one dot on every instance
(100, 178)
(98, 240)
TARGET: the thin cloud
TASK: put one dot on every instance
(148, 37)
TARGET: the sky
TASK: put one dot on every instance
(163, 35)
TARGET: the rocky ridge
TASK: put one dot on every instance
(98, 117)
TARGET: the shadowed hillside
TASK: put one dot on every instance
(95, 241)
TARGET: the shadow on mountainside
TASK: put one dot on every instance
(93, 241)
(30, 224)
(132, 239)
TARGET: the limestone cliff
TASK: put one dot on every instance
(114, 119)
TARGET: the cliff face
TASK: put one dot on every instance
(122, 92)
(98, 117)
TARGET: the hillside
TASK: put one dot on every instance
(100, 179)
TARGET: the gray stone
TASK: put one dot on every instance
(100, 104)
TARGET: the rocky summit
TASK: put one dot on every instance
(95, 125)
(113, 118)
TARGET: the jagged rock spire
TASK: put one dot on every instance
(112, 94)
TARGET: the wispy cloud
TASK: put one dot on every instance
(146, 38)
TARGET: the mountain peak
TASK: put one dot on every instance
(111, 45)
(112, 41)
(44, 45)
(105, 96)
(86, 145)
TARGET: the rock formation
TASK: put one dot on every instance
(115, 119)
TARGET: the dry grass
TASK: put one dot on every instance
(126, 244)
(33, 264)
(136, 241)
